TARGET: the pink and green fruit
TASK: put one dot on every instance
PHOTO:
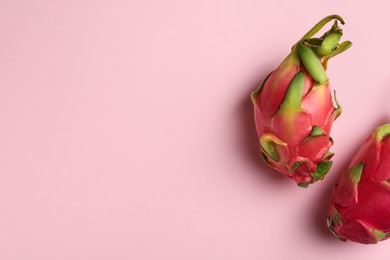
(360, 208)
(294, 109)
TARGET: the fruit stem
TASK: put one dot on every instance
(321, 24)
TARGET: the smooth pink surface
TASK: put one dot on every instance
(126, 129)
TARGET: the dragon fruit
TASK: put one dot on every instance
(294, 109)
(360, 208)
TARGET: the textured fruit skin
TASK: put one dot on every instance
(360, 207)
(294, 111)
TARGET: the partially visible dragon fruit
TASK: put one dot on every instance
(360, 208)
(294, 110)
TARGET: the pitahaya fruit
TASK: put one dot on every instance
(294, 110)
(360, 208)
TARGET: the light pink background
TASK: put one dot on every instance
(126, 128)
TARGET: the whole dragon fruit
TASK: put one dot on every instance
(294, 110)
(360, 208)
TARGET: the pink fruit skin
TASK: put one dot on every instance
(360, 207)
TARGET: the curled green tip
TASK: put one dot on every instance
(338, 17)
(321, 24)
(330, 40)
(339, 109)
(259, 89)
(339, 49)
(268, 143)
(381, 132)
